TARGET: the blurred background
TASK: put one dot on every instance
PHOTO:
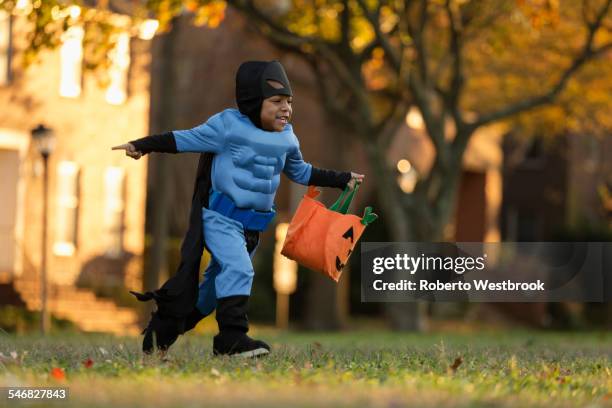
(473, 120)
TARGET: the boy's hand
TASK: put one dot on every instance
(355, 179)
(130, 150)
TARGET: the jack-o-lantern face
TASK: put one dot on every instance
(348, 235)
(342, 238)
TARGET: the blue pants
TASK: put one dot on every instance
(230, 271)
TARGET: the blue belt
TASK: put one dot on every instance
(249, 218)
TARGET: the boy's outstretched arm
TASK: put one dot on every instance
(333, 178)
(163, 143)
(207, 137)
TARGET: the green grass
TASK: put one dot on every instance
(353, 369)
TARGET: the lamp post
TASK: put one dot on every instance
(284, 277)
(44, 139)
(408, 176)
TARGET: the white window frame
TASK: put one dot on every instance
(114, 210)
(71, 60)
(116, 93)
(67, 211)
(5, 47)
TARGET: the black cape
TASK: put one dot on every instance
(178, 296)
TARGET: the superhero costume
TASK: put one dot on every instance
(238, 174)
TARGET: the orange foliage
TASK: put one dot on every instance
(58, 374)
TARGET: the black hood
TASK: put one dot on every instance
(252, 86)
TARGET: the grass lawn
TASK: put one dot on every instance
(352, 369)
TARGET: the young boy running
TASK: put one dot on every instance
(248, 148)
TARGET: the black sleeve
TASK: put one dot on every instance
(163, 143)
(329, 178)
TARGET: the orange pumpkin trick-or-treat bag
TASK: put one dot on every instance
(322, 239)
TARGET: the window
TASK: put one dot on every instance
(71, 56)
(67, 209)
(114, 190)
(5, 48)
(116, 93)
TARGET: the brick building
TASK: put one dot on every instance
(96, 197)
(557, 186)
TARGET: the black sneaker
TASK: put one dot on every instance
(237, 343)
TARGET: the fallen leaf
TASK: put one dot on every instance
(215, 372)
(456, 364)
(58, 373)
(88, 363)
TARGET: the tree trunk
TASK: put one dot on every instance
(323, 310)
(405, 316)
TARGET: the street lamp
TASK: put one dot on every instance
(408, 176)
(284, 277)
(44, 140)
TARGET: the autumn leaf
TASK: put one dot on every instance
(456, 364)
(191, 6)
(58, 374)
(211, 14)
(88, 363)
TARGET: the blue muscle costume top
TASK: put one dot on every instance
(248, 160)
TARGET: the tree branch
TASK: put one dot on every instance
(344, 75)
(419, 40)
(587, 53)
(453, 95)
(329, 101)
(267, 26)
(390, 124)
(282, 37)
(345, 25)
(390, 53)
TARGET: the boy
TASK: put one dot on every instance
(244, 150)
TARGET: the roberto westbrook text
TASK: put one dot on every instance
(482, 284)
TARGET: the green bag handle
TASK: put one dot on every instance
(368, 216)
(343, 202)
